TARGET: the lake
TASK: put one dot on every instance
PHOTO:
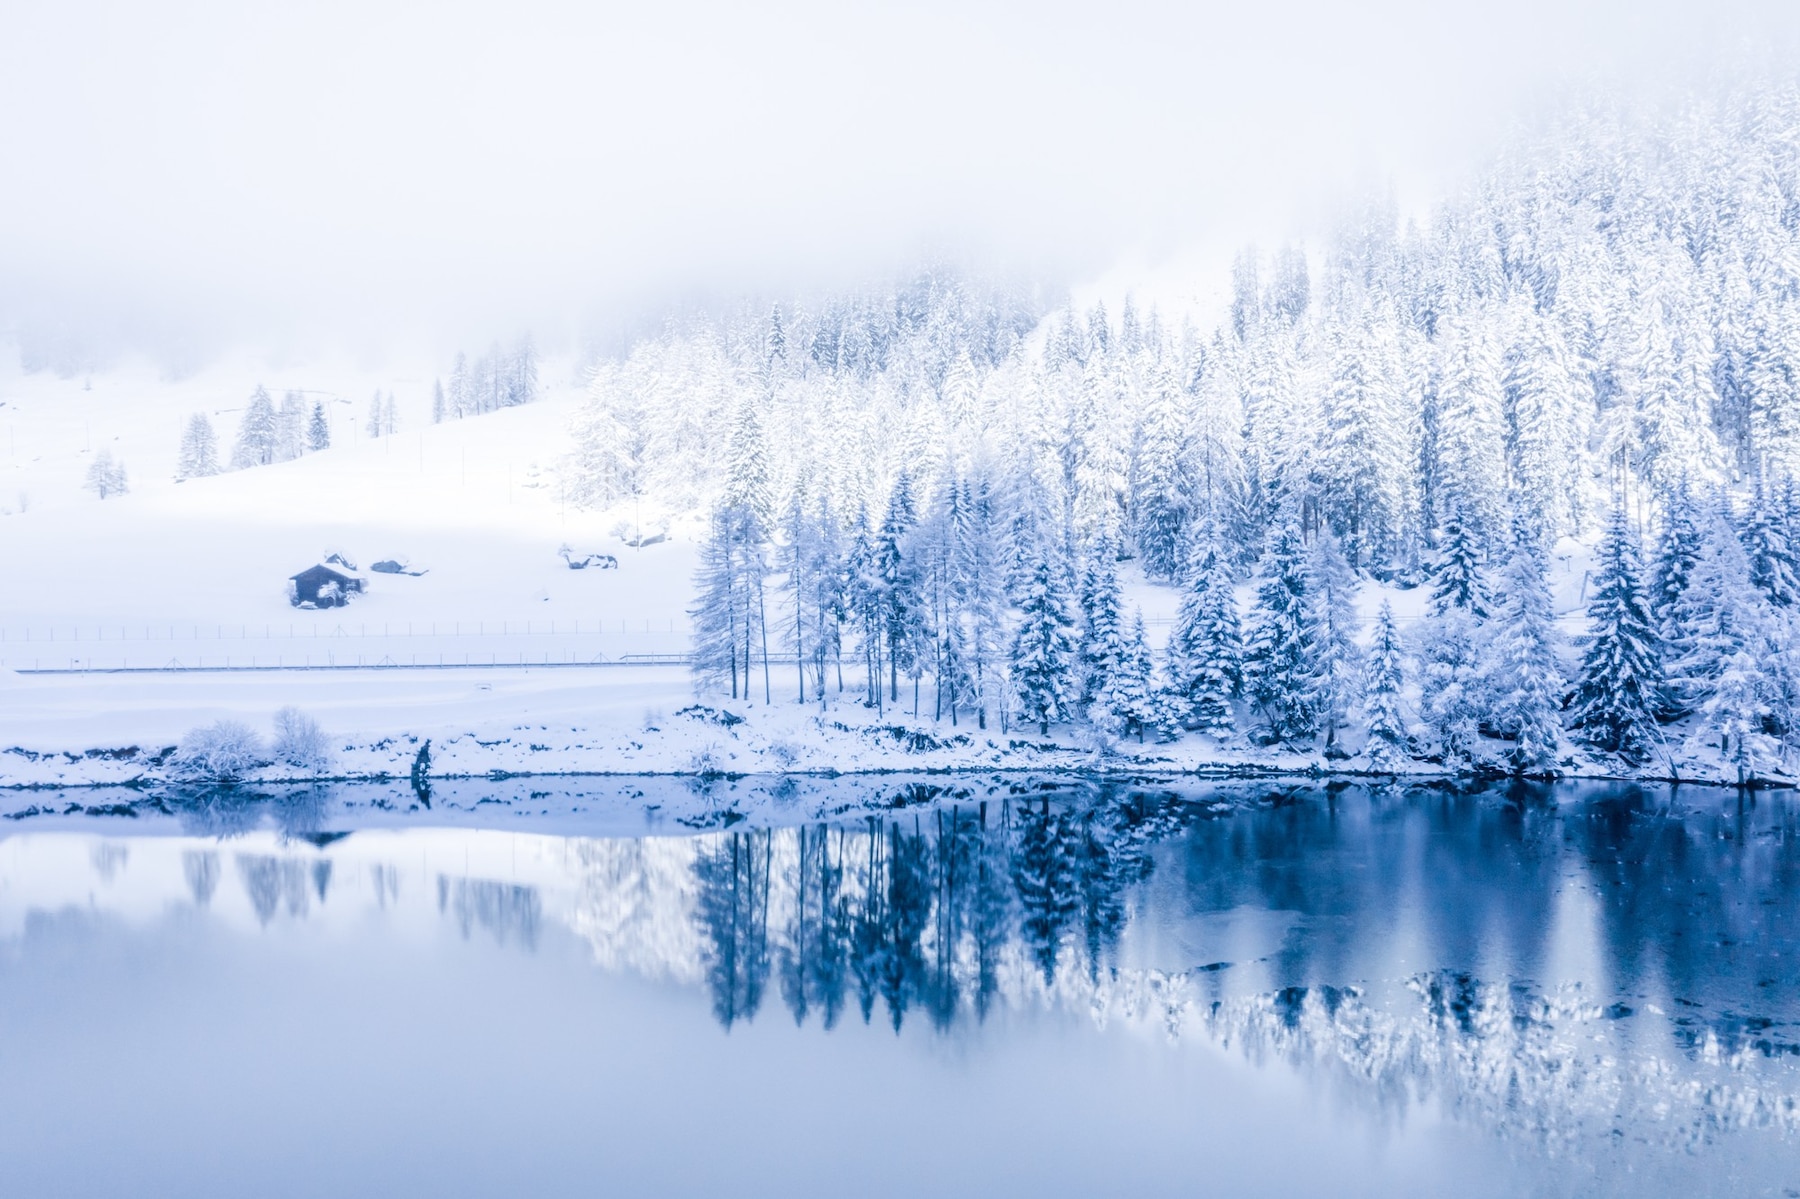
(884, 986)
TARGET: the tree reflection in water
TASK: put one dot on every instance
(1694, 904)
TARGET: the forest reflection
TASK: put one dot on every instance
(926, 911)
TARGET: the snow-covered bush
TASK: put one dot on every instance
(299, 741)
(223, 752)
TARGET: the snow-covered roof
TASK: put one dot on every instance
(331, 568)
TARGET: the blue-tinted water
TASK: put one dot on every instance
(852, 986)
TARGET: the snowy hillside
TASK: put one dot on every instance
(178, 569)
(1511, 489)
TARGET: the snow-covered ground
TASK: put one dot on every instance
(196, 564)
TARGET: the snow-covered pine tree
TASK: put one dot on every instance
(796, 556)
(1522, 673)
(1547, 426)
(318, 430)
(1206, 646)
(290, 427)
(1279, 648)
(1102, 646)
(1452, 697)
(521, 373)
(729, 612)
(1159, 506)
(1384, 681)
(461, 399)
(1671, 393)
(1334, 677)
(1458, 583)
(1720, 615)
(1677, 553)
(1365, 449)
(1132, 699)
(199, 454)
(256, 434)
(438, 406)
(1470, 450)
(979, 574)
(1766, 545)
(390, 416)
(900, 611)
(1620, 691)
(1733, 717)
(747, 466)
(373, 424)
(1043, 655)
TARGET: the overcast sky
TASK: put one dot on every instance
(281, 172)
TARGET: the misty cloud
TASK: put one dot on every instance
(199, 170)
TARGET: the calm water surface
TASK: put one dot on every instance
(886, 988)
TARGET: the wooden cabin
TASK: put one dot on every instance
(323, 586)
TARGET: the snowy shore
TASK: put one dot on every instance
(121, 729)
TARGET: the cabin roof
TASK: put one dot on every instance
(338, 573)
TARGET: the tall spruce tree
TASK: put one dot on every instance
(199, 455)
(1523, 674)
(256, 433)
(1620, 691)
(1279, 651)
(1206, 647)
(1768, 549)
(1043, 654)
(1102, 647)
(1721, 614)
(1458, 581)
(1335, 675)
(1384, 681)
(900, 611)
(318, 430)
(1677, 553)
(1132, 699)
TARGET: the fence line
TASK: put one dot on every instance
(166, 631)
(170, 631)
(495, 662)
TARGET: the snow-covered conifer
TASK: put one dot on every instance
(1158, 503)
(1334, 677)
(729, 614)
(1471, 446)
(290, 427)
(1620, 691)
(256, 434)
(1452, 696)
(1767, 547)
(318, 430)
(1102, 646)
(1734, 715)
(199, 454)
(1720, 615)
(1522, 668)
(1206, 647)
(1384, 680)
(1132, 699)
(1677, 553)
(1043, 655)
(1279, 649)
(1458, 583)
